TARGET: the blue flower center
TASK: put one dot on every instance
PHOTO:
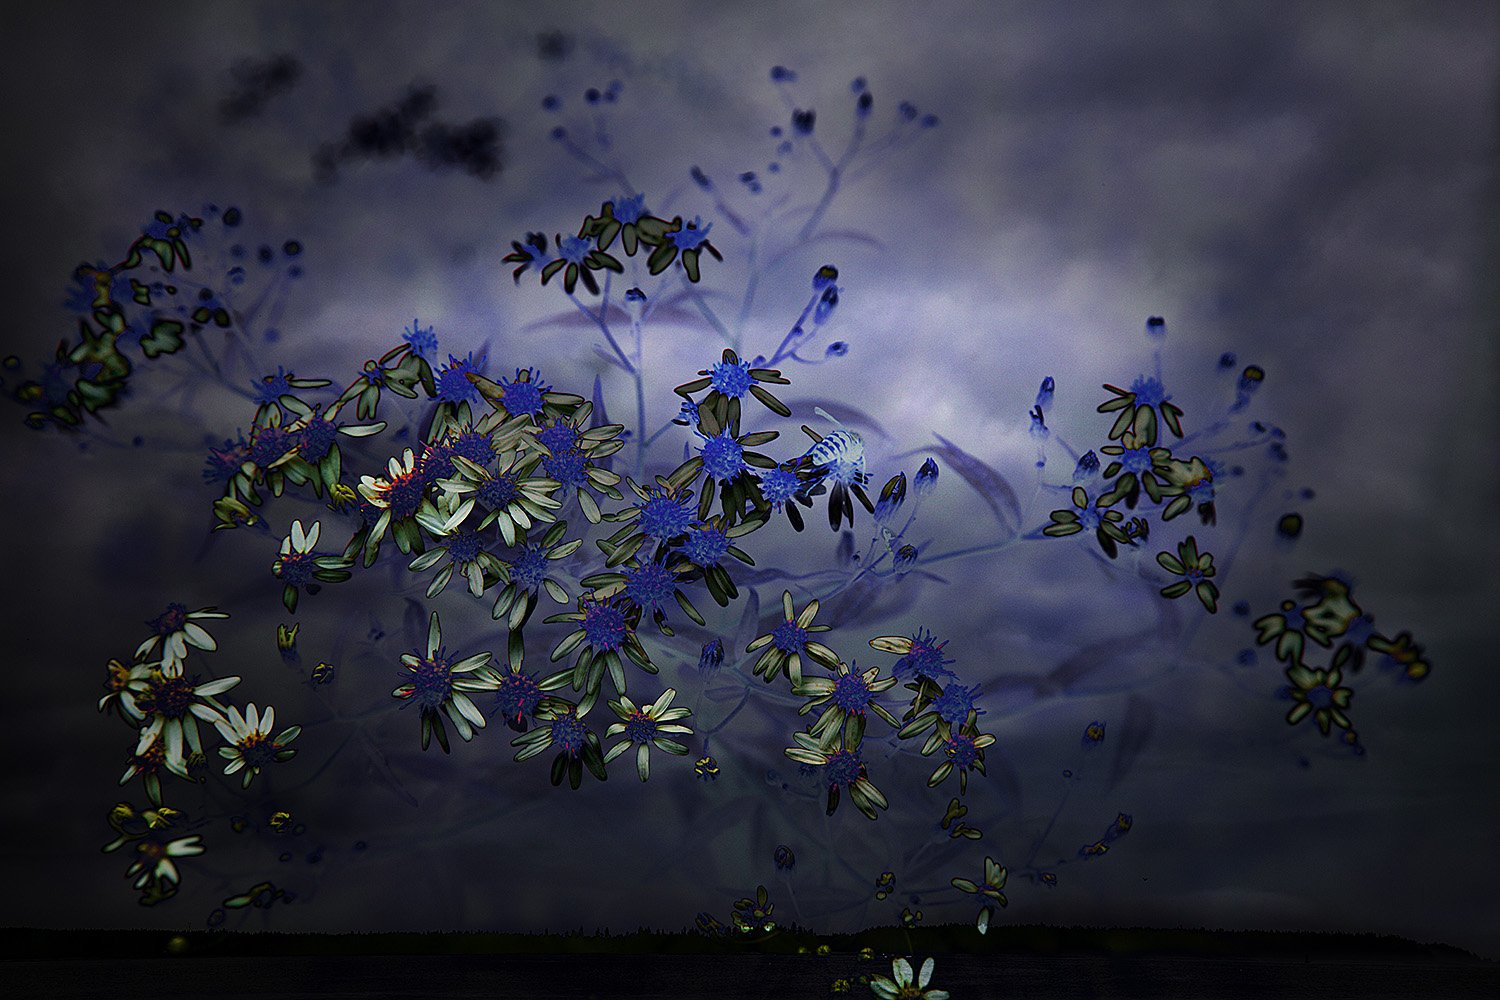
(437, 463)
(432, 679)
(558, 436)
(453, 385)
(423, 341)
(842, 768)
(604, 627)
(1320, 697)
(706, 546)
(924, 660)
(518, 694)
(778, 485)
(731, 379)
(568, 732)
(851, 693)
(567, 467)
(723, 458)
(961, 751)
(651, 585)
(317, 437)
(1090, 518)
(640, 729)
(628, 210)
(522, 398)
(574, 249)
(691, 238)
(954, 703)
(268, 444)
(465, 546)
(472, 445)
(404, 494)
(789, 637)
(663, 517)
(1148, 391)
(498, 492)
(295, 568)
(528, 571)
(1136, 460)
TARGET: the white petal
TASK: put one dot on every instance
(216, 687)
(196, 635)
(299, 540)
(148, 735)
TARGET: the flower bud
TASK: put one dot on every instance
(906, 558)
(927, 477)
(892, 496)
(826, 305)
(1087, 467)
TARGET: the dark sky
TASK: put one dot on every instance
(1311, 187)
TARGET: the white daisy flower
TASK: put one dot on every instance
(250, 745)
(902, 988)
(438, 688)
(169, 707)
(154, 859)
(175, 629)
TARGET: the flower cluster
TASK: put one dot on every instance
(1325, 616)
(164, 703)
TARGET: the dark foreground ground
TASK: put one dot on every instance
(1046, 965)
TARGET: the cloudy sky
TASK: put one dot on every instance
(1311, 189)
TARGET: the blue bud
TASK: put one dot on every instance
(559, 133)
(802, 121)
(892, 496)
(858, 86)
(908, 111)
(1044, 394)
(826, 275)
(1087, 467)
(906, 558)
(837, 349)
(701, 179)
(591, 95)
(863, 105)
(1156, 326)
(712, 655)
(780, 74)
(929, 121)
(1227, 360)
(927, 477)
(826, 304)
